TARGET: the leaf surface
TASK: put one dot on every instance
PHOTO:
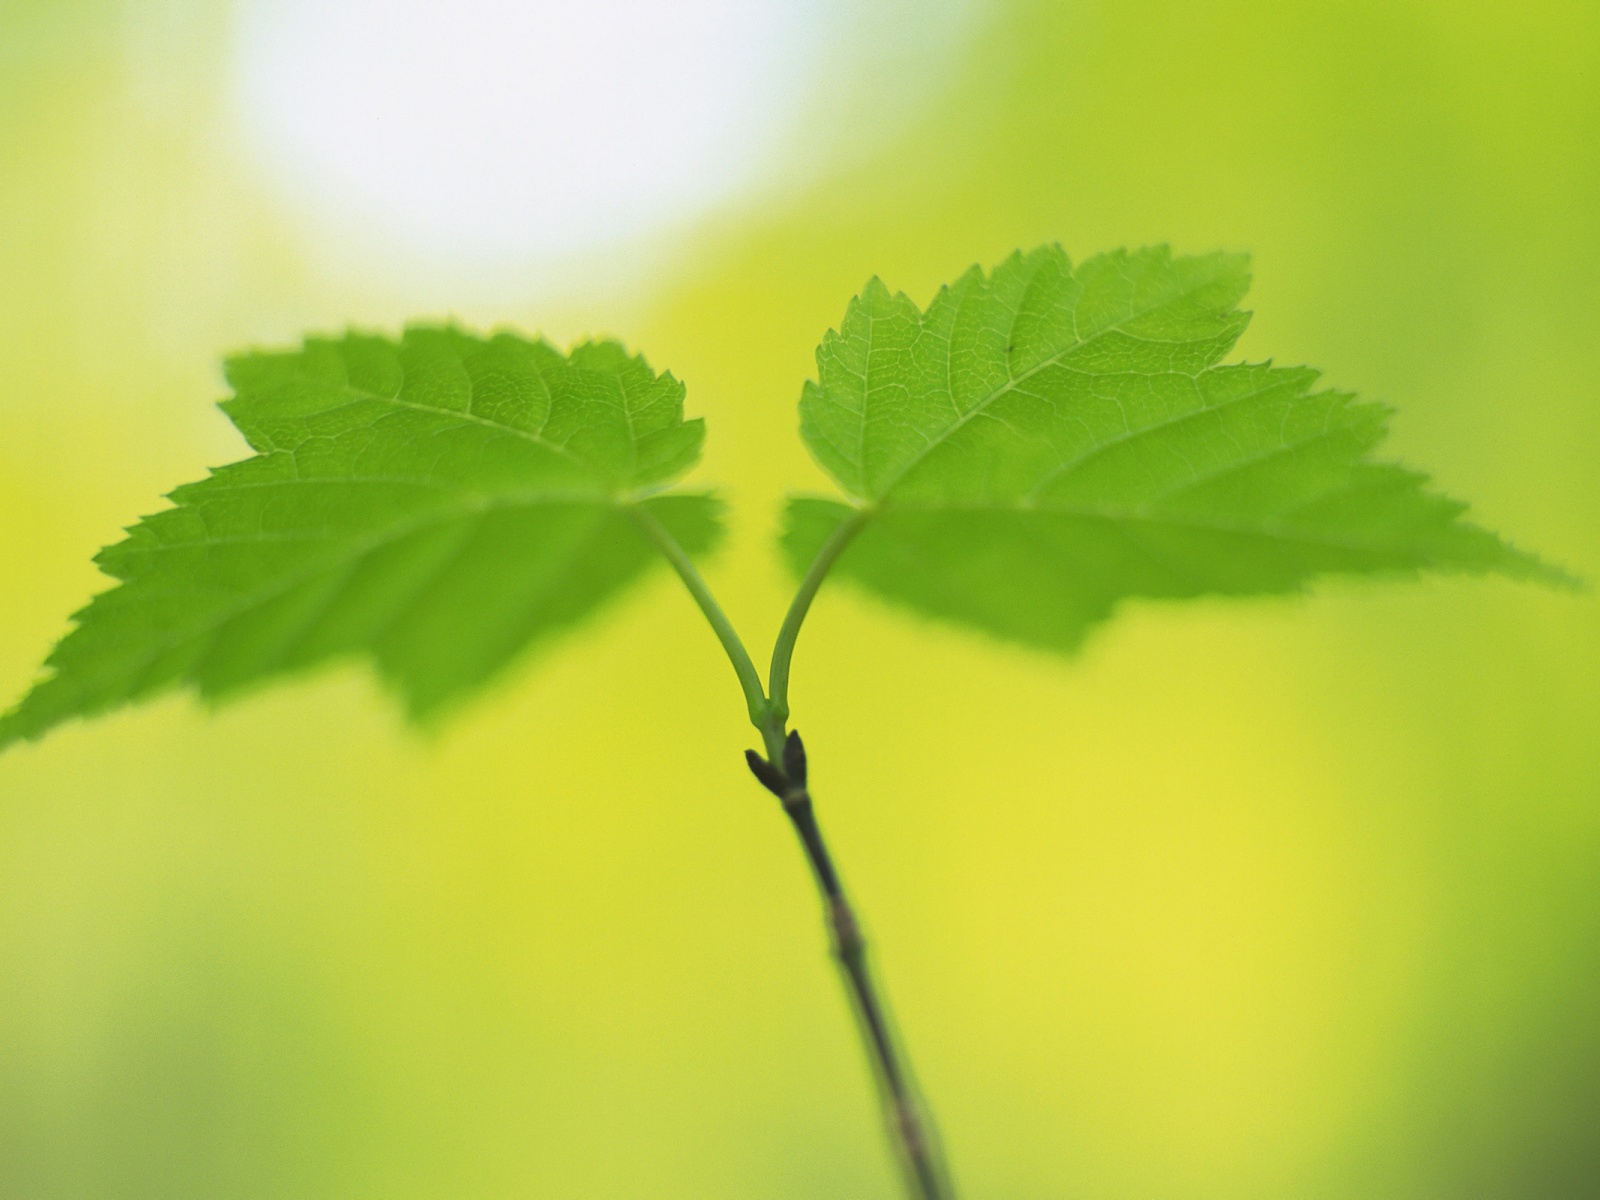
(1044, 441)
(436, 504)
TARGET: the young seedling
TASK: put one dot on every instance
(1038, 444)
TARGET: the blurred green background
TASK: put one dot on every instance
(1264, 899)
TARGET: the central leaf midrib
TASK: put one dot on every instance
(474, 418)
(1130, 436)
(1013, 381)
(361, 395)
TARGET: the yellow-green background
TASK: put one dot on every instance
(1266, 899)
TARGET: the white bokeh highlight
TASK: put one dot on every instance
(484, 134)
(480, 129)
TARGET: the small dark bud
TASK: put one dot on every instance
(771, 778)
(794, 759)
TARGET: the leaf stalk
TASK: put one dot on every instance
(743, 666)
(783, 648)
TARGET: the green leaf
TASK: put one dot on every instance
(1045, 441)
(437, 504)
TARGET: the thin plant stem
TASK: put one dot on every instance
(783, 772)
(783, 648)
(743, 667)
(926, 1176)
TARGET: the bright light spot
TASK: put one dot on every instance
(487, 135)
(481, 129)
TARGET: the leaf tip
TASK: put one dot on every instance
(1533, 569)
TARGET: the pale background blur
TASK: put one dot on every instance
(1268, 899)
